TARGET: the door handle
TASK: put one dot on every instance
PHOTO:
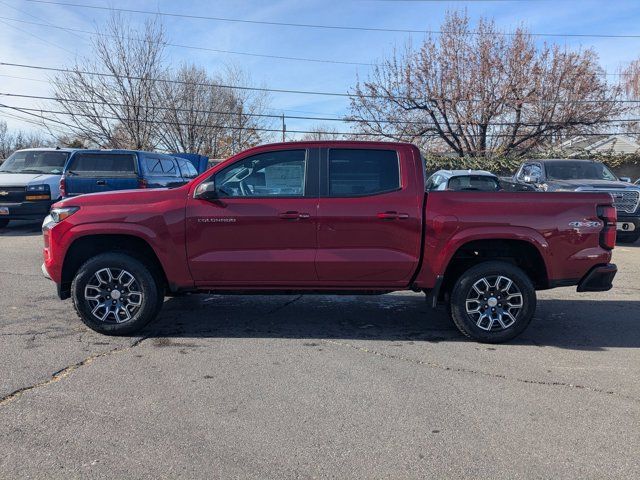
(101, 182)
(392, 216)
(293, 215)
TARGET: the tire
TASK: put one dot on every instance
(139, 294)
(495, 323)
(628, 237)
(3, 222)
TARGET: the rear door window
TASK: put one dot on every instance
(358, 172)
(111, 164)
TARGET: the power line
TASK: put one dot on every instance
(291, 117)
(192, 47)
(280, 90)
(166, 80)
(259, 129)
(309, 25)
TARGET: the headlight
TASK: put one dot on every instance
(38, 192)
(62, 213)
(38, 188)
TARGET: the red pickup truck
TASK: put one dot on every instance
(327, 217)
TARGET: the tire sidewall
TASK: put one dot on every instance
(465, 283)
(152, 300)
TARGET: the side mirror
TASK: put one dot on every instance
(206, 191)
(531, 179)
(625, 179)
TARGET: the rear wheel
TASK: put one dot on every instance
(115, 294)
(493, 302)
(3, 222)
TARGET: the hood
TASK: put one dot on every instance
(123, 197)
(24, 179)
(588, 184)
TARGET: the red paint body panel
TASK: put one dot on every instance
(371, 242)
(245, 242)
(541, 219)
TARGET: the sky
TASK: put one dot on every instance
(46, 46)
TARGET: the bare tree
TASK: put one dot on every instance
(630, 84)
(116, 109)
(195, 112)
(482, 92)
(321, 132)
(201, 114)
(10, 141)
(248, 126)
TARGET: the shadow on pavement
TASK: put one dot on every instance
(19, 228)
(570, 324)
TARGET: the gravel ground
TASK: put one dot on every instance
(311, 386)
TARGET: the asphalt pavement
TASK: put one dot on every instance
(315, 387)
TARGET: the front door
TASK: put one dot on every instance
(261, 231)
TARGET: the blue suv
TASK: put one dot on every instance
(93, 171)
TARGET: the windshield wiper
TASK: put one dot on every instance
(31, 170)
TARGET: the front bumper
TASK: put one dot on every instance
(598, 279)
(36, 210)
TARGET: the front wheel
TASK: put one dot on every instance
(493, 302)
(116, 294)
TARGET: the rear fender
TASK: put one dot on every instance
(440, 250)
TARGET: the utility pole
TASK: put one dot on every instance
(284, 129)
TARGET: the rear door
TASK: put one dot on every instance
(369, 219)
(91, 172)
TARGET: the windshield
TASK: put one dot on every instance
(567, 170)
(35, 161)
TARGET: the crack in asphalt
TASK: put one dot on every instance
(282, 307)
(66, 371)
(499, 376)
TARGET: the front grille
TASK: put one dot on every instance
(626, 200)
(12, 194)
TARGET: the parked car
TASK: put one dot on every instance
(457, 180)
(327, 217)
(94, 171)
(559, 175)
(29, 181)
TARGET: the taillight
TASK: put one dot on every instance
(142, 183)
(63, 187)
(609, 216)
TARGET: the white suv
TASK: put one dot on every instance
(30, 183)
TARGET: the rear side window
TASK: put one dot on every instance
(169, 167)
(354, 172)
(160, 166)
(103, 163)
(187, 169)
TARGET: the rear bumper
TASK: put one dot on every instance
(598, 279)
(27, 210)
